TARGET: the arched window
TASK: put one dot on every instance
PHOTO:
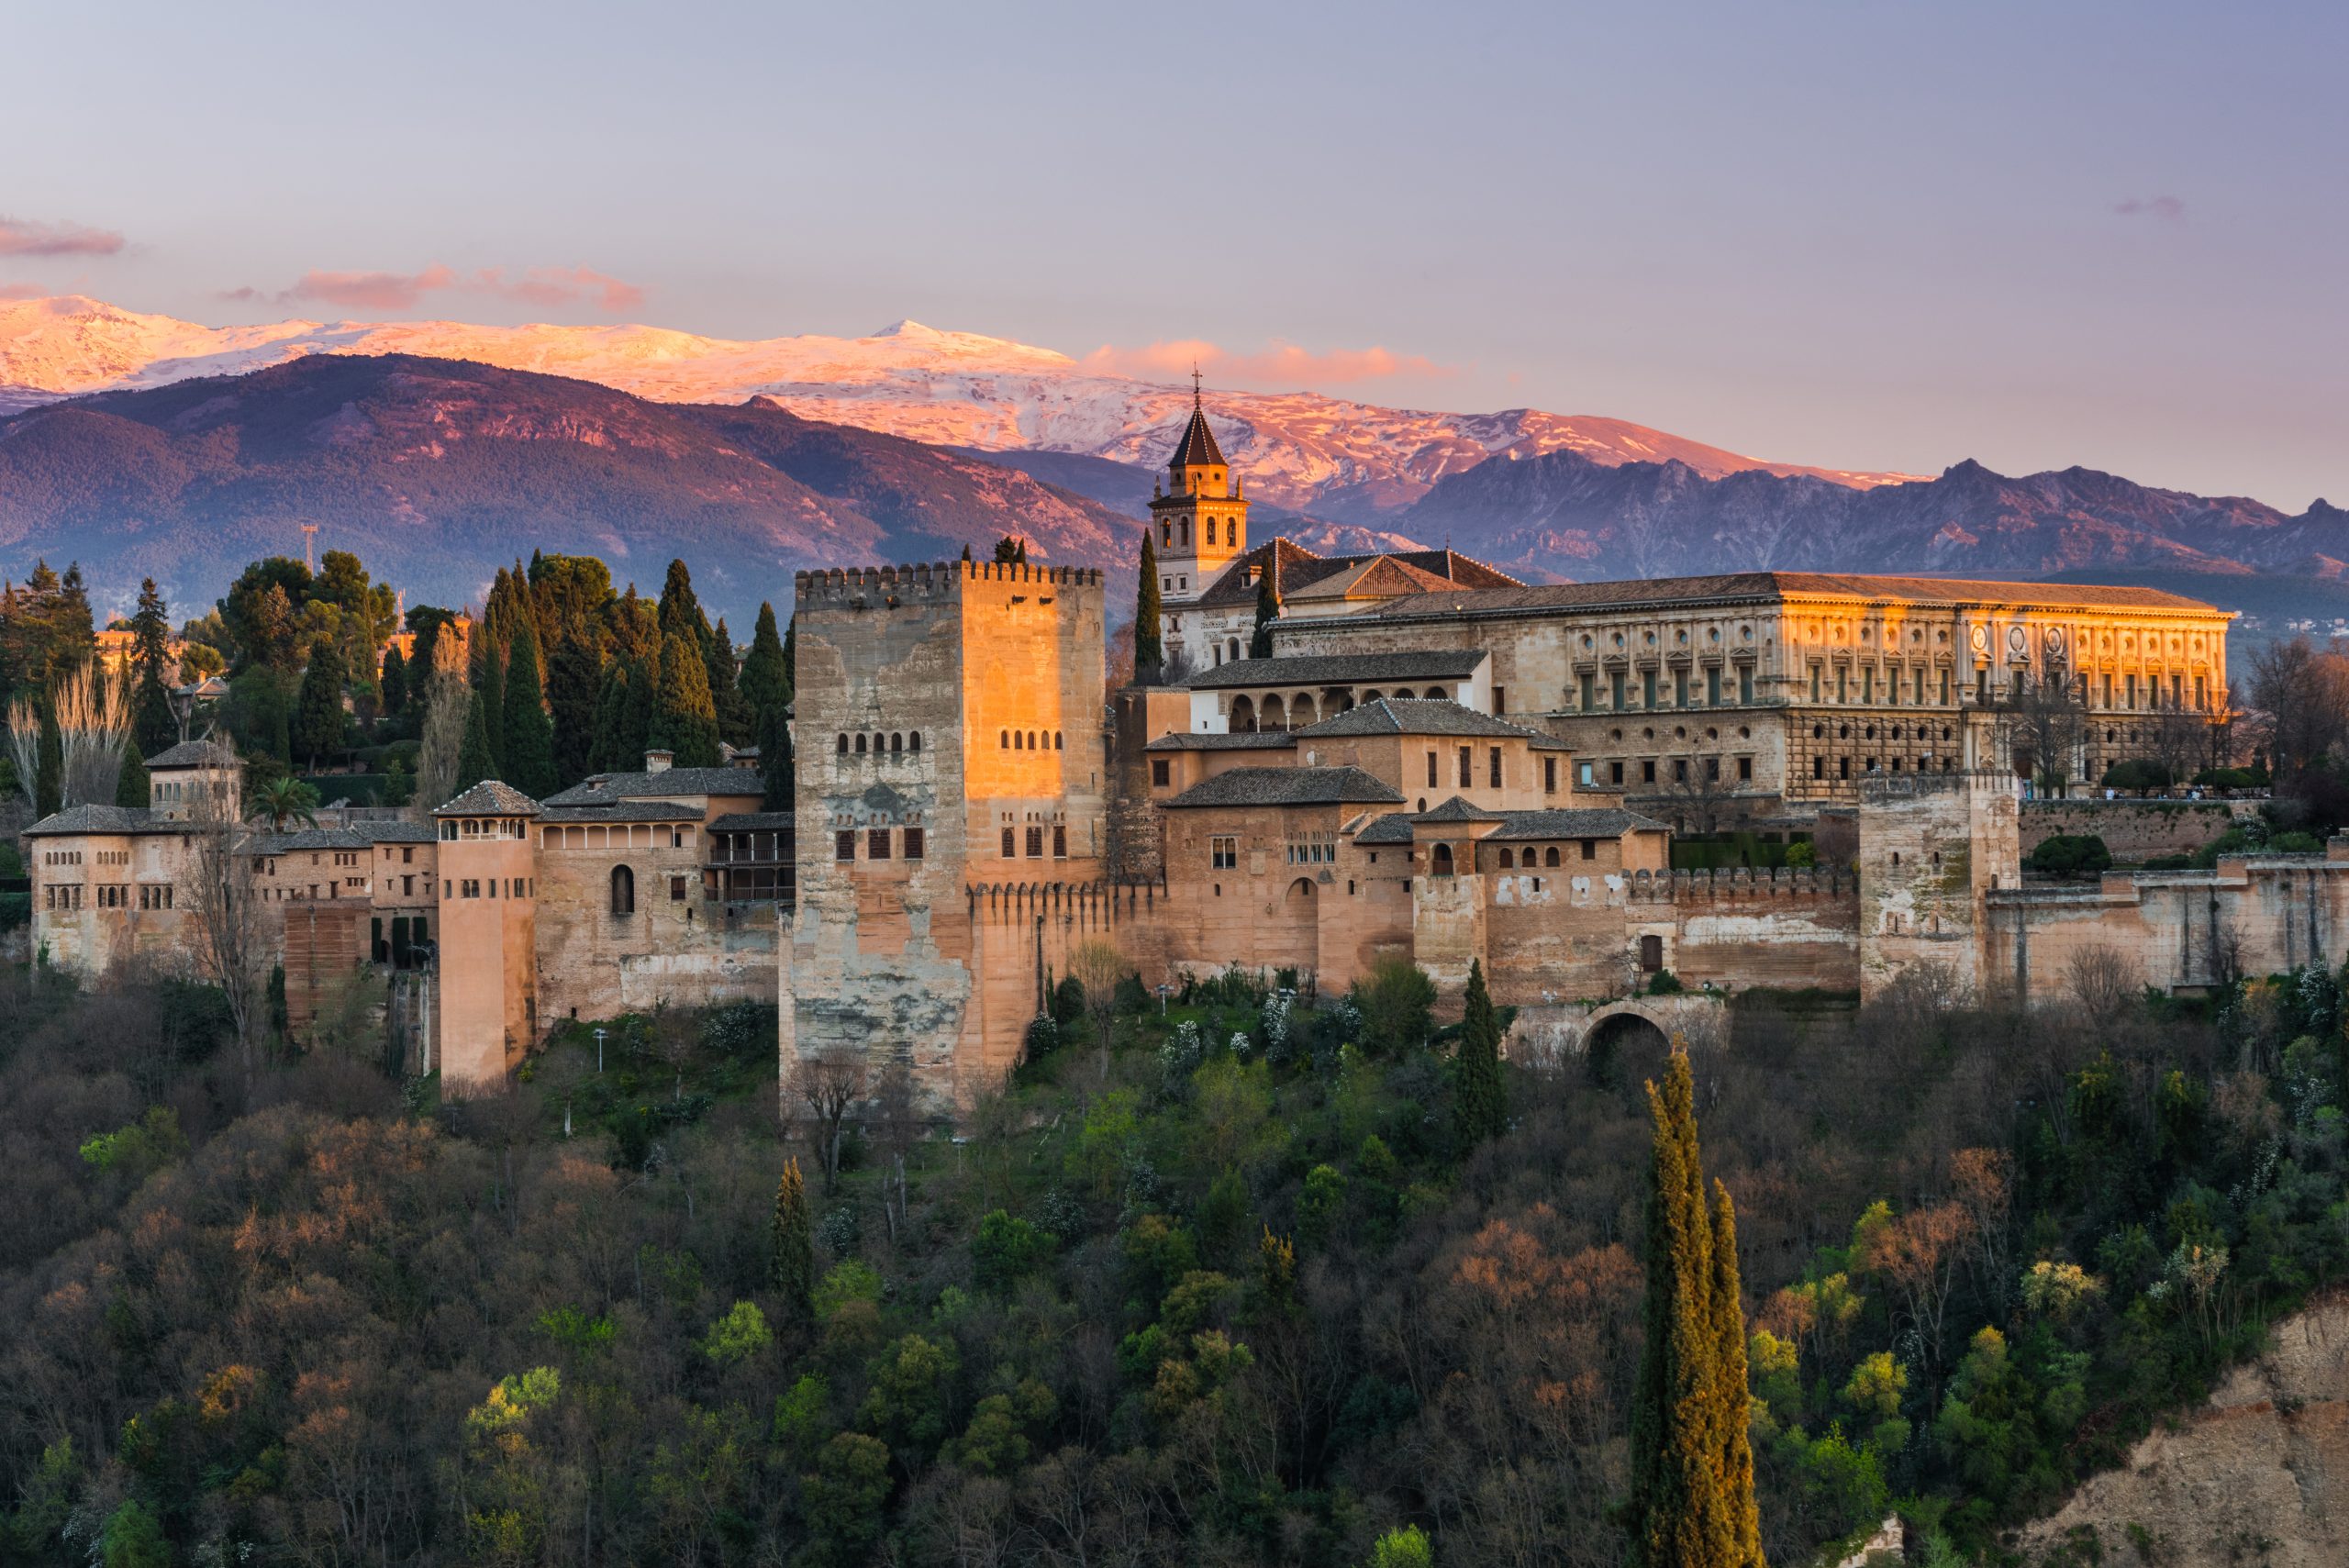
(913, 742)
(860, 745)
(1056, 741)
(1440, 863)
(1019, 741)
(1272, 715)
(1186, 533)
(1031, 741)
(843, 744)
(896, 744)
(1234, 647)
(1372, 695)
(1002, 739)
(1550, 856)
(1243, 716)
(623, 891)
(1167, 533)
(1007, 844)
(1302, 712)
(1508, 861)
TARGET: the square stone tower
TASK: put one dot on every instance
(951, 744)
(486, 1015)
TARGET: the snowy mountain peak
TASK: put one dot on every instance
(1301, 451)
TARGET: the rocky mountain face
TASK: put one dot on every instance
(1302, 452)
(436, 471)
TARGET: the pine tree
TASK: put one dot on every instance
(966, 554)
(1268, 610)
(155, 727)
(1691, 1504)
(475, 761)
(393, 682)
(1480, 1096)
(529, 752)
(684, 721)
(793, 1267)
(1150, 652)
(765, 680)
(776, 765)
(317, 715)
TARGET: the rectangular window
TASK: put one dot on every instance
(1842, 685)
(472, 888)
(844, 844)
(1819, 767)
(2133, 694)
(1745, 683)
(1162, 772)
(1587, 689)
(2202, 692)
(1223, 853)
(1465, 768)
(1867, 684)
(1060, 841)
(1745, 770)
(1615, 690)
(1590, 849)
(1712, 688)
(1647, 771)
(1614, 772)
(1680, 769)
(1500, 699)
(2108, 689)
(1647, 688)
(1493, 767)
(1550, 775)
(913, 843)
(1036, 843)
(1945, 687)
(1713, 768)
(1680, 688)
(1008, 849)
(1843, 767)
(1814, 682)
(407, 886)
(1431, 778)
(876, 843)
(676, 890)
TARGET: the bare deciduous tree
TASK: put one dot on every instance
(2105, 983)
(2302, 695)
(1098, 965)
(93, 714)
(831, 1085)
(445, 696)
(232, 948)
(2041, 725)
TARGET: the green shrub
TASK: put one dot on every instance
(2070, 854)
(2138, 773)
(1664, 983)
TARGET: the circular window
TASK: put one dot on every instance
(1615, 735)
(1744, 732)
(1619, 640)
(1651, 639)
(1819, 732)
(1680, 733)
(1585, 640)
(1712, 734)
(1680, 638)
(1647, 734)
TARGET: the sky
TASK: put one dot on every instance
(1861, 235)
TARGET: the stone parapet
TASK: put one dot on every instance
(937, 579)
(1739, 883)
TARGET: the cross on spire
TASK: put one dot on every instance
(1194, 383)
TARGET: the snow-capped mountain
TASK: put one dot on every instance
(1301, 451)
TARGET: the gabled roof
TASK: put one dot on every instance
(602, 789)
(1198, 446)
(105, 819)
(1393, 828)
(490, 798)
(1340, 669)
(1288, 786)
(624, 811)
(1380, 577)
(192, 754)
(1422, 716)
(1598, 822)
(1301, 572)
(1245, 740)
(1456, 809)
(397, 832)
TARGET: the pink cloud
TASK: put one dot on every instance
(19, 236)
(2169, 209)
(1285, 365)
(22, 291)
(395, 292)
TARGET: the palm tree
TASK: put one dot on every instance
(282, 800)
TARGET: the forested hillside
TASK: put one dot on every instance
(1266, 1281)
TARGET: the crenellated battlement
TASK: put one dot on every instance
(937, 580)
(1739, 885)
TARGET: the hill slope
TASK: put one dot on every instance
(435, 472)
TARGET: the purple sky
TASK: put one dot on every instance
(1871, 236)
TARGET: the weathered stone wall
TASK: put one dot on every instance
(1930, 851)
(487, 1013)
(2134, 831)
(595, 962)
(1791, 930)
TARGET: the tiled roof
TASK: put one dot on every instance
(1420, 715)
(105, 819)
(604, 788)
(752, 822)
(1197, 445)
(1340, 669)
(1604, 822)
(1288, 786)
(1245, 740)
(192, 754)
(490, 798)
(1382, 576)
(624, 811)
(1394, 828)
(308, 839)
(1301, 572)
(1457, 809)
(1764, 586)
(397, 832)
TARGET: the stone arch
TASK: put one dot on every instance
(1301, 711)
(896, 742)
(1244, 715)
(859, 744)
(1301, 891)
(1508, 859)
(1625, 1023)
(623, 891)
(1272, 715)
(1439, 860)
(843, 746)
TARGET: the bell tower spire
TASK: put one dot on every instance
(1201, 518)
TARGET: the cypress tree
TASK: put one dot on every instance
(393, 683)
(317, 714)
(793, 1268)
(738, 722)
(774, 757)
(574, 702)
(1480, 1096)
(49, 787)
(475, 761)
(635, 735)
(681, 612)
(611, 712)
(1268, 610)
(1692, 1471)
(684, 721)
(132, 787)
(1150, 652)
(765, 680)
(155, 726)
(489, 691)
(529, 734)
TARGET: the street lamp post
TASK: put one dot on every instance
(600, 1050)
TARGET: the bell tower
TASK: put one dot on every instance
(1199, 512)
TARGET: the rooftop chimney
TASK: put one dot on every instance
(658, 761)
